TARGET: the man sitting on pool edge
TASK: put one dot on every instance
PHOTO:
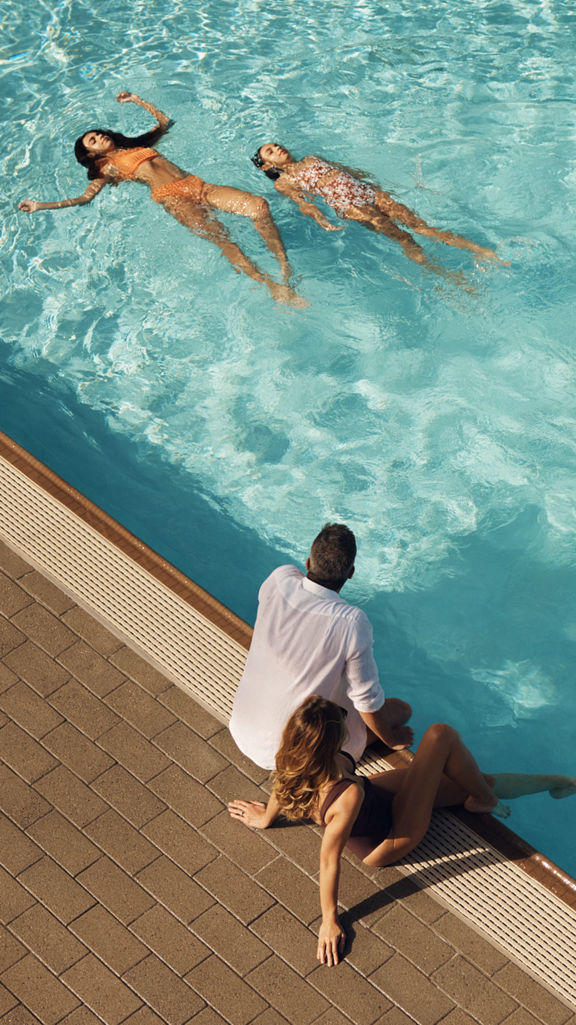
(309, 640)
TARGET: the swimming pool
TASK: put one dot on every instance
(224, 429)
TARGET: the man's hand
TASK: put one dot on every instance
(29, 206)
(389, 723)
(402, 736)
(126, 97)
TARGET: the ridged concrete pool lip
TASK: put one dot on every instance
(494, 880)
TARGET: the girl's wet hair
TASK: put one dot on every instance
(271, 173)
(90, 160)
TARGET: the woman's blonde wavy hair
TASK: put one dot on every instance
(306, 759)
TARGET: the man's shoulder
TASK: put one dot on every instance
(282, 575)
(287, 572)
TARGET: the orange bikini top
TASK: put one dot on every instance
(127, 161)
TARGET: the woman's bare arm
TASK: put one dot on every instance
(30, 206)
(163, 120)
(255, 814)
(340, 819)
(307, 208)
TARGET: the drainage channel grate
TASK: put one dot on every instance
(470, 877)
(178, 640)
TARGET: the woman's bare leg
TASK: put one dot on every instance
(399, 212)
(511, 784)
(440, 753)
(448, 795)
(235, 201)
(197, 220)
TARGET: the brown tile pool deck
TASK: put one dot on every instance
(128, 895)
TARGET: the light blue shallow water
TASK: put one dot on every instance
(225, 430)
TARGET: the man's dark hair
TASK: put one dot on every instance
(332, 555)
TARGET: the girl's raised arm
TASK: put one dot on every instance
(30, 206)
(163, 120)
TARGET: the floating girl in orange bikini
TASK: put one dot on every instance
(111, 158)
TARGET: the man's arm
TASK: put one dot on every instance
(364, 690)
(388, 723)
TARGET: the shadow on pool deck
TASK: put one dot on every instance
(128, 895)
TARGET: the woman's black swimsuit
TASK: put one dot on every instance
(374, 820)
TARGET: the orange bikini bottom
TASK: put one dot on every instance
(189, 187)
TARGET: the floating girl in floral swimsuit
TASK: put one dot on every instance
(354, 200)
(111, 158)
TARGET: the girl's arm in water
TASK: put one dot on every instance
(283, 186)
(163, 120)
(30, 206)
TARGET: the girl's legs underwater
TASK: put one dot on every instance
(379, 221)
(198, 220)
(399, 212)
(236, 201)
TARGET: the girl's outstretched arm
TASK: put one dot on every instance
(163, 120)
(30, 206)
(307, 208)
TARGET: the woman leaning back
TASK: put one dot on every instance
(381, 818)
(110, 158)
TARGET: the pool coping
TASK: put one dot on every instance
(473, 865)
(508, 843)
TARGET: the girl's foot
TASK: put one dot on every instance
(287, 296)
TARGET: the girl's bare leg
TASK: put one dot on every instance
(197, 220)
(376, 220)
(401, 213)
(235, 201)
(440, 753)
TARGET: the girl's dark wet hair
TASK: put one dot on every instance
(90, 162)
(271, 173)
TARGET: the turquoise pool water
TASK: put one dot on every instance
(224, 430)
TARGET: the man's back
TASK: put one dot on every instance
(307, 640)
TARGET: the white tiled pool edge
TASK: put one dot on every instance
(535, 928)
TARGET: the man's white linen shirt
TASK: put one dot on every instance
(307, 640)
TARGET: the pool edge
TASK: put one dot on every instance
(511, 846)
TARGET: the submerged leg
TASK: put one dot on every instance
(376, 220)
(235, 201)
(197, 220)
(401, 213)
(514, 784)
